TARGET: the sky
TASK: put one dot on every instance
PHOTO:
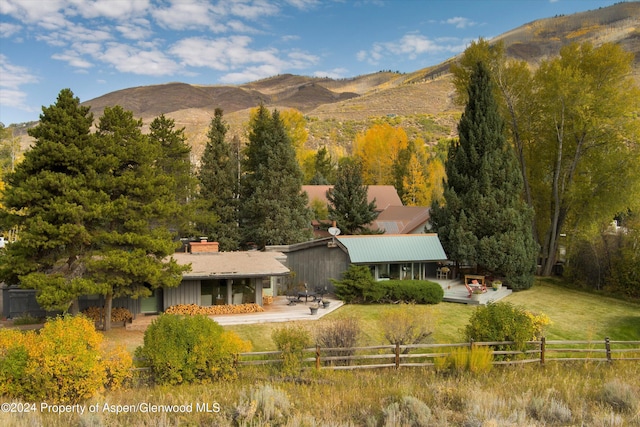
(95, 47)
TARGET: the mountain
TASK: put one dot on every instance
(421, 101)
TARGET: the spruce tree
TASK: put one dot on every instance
(348, 200)
(218, 197)
(139, 207)
(174, 159)
(50, 199)
(274, 209)
(484, 220)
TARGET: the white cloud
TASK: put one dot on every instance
(136, 29)
(73, 59)
(336, 73)
(185, 14)
(14, 76)
(460, 22)
(112, 9)
(133, 60)
(7, 29)
(410, 46)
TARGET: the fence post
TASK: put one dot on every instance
(317, 357)
(607, 346)
(397, 355)
(543, 346)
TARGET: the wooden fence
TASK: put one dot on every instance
(396, 356)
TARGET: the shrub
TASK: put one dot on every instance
(62, 363)
(476, 360)
(339, 333)
(413, 291)
(265, 403)
(620, 396)
(189, 349)
(552, 411)
(409, 411)
(404, 325)
(358, 285)
(501, 321)
(291, 341)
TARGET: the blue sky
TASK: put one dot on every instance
(99, 46)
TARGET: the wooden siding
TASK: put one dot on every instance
(187, 293)
(316, 265)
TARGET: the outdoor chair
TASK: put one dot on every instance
(473, 286)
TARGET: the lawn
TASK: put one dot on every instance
(575, 315)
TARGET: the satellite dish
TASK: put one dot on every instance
(334, 231)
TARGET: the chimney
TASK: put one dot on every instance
(203, 246)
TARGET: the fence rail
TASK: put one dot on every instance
(396, 356)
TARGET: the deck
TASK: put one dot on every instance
(455, 291)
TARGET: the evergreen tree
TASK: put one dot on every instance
(139, 206)
(485, 220)
(274, 209)
(174, 159)
(348, 201)
(50, 198)
(93, 210)
(323, 164)
(218, 199)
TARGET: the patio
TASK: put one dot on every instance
(455, 291)
(278, 311)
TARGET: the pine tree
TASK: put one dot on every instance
(174, 159)
(50, 198)
(218, 198)
(139, 206)
(348, 200)
(485, 220)
(274, 209)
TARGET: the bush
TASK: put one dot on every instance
(409, 411)
(501, 321)
(189, 349)
(477, 360)
(264, 403)
(413, 291)
(620, 396)
(358, 286)
(64, 362)
(404, 325)
(291, 340)
(339, 333)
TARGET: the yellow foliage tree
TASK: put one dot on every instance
(377, 149)
(435, 180)
(415, 190)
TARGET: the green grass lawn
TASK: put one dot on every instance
(575, 315)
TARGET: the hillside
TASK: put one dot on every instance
(422, 101)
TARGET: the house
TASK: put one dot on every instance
(215, 278)
(388, 256)
(403, 220)
(384, 195)
(393, 217)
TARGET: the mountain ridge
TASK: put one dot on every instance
(343, 107)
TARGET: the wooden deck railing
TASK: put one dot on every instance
(396, 356)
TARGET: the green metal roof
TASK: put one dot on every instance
(393, 248)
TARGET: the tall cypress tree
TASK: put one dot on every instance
(348, 200)
(218, 198)
(274, 209)
(485, 220)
